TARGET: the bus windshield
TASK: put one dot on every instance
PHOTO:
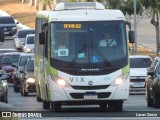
(84, 42)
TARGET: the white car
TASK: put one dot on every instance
(29, 43)
(19, 38)
(138, 70)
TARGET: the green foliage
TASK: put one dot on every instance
(146, 3)
(128, 7)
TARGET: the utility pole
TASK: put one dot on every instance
(135, 27)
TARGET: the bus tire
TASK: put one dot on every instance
(16, 89)
(39, 99)
(46, 105)
(56, 106)
(119, 106)
(116, 105)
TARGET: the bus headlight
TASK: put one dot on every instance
(60, 81)
(30, 80)
(119, 80)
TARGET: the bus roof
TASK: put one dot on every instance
(84, 14)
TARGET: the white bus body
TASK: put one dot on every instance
(78, 71)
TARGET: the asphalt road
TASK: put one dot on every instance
(134, 106)
(146, 34)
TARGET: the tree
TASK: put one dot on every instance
(37, 4)
(45, 3)
(142, 5)
(31, 3)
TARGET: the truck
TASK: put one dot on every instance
(70, 68)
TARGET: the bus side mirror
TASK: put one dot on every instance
(1, 35)
(131, 36)
(44, 25)
(41, 38)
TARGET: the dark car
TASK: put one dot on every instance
(153, 84)
(8, 62)
(9, 26)
(6, 76)
(20, 37)
(27, 78)
(3, 89)
(20, 64)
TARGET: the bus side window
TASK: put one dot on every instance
(46, 44)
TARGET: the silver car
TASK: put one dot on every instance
(20, 37)
(29, 43)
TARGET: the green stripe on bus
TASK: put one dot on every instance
(125, 69)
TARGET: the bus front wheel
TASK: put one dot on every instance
(46, 104)
(116, 105)
(56, 106)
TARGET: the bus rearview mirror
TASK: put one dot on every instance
(41, 38)
(131, 36)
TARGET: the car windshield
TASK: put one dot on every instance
(30, 66)
(9, 59)
(140, 62)
(6, 20)
(23, 33)
(23, 60)
(30, 40)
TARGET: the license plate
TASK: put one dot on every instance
(90, 96)
(6, 32)
(140, 84)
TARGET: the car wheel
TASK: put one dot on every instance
(156, 100)
(46, 105)
(25, 93)
(6, 100)
(16, 89)
(56, 106)
(149, 99)
(21, 90)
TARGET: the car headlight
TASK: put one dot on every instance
(4, 82)
(119, 80)
(30, 80)
(60, 81)
(28, 49)
(14, 28)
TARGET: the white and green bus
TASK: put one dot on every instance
(70, 66)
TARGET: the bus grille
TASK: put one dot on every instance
(90, 87)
